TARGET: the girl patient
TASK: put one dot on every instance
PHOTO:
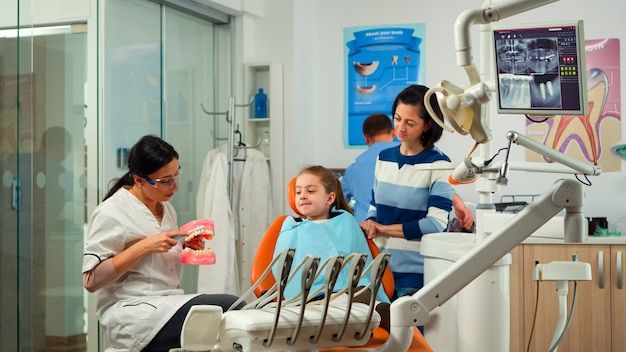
(327, 228)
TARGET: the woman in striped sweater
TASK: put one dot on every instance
(409, 197)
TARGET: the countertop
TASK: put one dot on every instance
(590, 240)
(550, 232)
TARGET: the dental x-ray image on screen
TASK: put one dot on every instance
(540, 69)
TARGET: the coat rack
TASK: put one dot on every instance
(230, 118)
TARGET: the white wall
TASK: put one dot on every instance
(47, 12)
(307, 37)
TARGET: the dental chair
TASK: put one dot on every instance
(264, 257)
(344, 326)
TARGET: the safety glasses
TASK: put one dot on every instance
(165, 182)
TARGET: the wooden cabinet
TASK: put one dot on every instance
(599, 312)
(618, 298)
(267, 133)
(517, 299)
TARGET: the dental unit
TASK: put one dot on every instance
(273, 325)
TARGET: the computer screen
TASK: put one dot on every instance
(540, 69)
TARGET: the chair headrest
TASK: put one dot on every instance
(291, 195)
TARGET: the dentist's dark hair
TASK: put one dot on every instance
(148, 155)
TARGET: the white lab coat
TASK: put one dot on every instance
(250, 216)
(254, 211)
(136, 306)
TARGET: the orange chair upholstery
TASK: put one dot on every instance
(264, 257)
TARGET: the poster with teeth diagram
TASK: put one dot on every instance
(588, 138)
(379, 62)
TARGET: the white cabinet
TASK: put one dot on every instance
(267, 132)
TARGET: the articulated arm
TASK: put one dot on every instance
(463, 107)
(410, 311)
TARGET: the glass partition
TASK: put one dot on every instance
(43, 74)
(159, 75)
(157, 66)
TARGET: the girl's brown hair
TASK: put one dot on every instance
(331, 183)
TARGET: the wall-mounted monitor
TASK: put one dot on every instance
(540, 69)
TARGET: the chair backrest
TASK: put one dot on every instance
(265, 251)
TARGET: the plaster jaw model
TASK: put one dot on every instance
(205, 229)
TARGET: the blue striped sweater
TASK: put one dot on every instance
(409, 190)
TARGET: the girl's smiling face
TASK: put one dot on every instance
(313, 201)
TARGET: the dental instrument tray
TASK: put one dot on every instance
(515, 204)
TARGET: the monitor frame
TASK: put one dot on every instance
(536, 93)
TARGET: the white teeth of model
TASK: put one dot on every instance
(550, 89)
(198, 232)
(199, 251)
(542, 88)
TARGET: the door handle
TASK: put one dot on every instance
(618, 264)
(601, 269)
(17, 194)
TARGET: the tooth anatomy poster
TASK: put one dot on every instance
(379, 62)
(589, 138)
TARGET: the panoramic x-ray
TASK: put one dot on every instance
(528, 73)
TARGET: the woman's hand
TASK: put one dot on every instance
(370, 229)
(161, 242)
(462, 212)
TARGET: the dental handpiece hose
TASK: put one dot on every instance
(502, 178)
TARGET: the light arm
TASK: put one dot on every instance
(579, 166)
(491, 12)
(463, 107)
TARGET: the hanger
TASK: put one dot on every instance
(241, 145)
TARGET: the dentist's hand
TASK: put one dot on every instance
(161, 242)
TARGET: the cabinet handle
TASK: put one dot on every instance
(601, 269)
(619, 269)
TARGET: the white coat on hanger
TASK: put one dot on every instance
(243, 226)
(212, 203)
(253, 209)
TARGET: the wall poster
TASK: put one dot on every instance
(589, 138)
(380, 61)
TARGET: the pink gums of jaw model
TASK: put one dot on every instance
(195, 228)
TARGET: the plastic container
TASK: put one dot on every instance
(260, 105)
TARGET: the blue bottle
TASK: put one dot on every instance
(260, 104)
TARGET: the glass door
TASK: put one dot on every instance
(156, 70)
(42, 194)
(160, 74)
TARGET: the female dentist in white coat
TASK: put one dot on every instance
(132, 255)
